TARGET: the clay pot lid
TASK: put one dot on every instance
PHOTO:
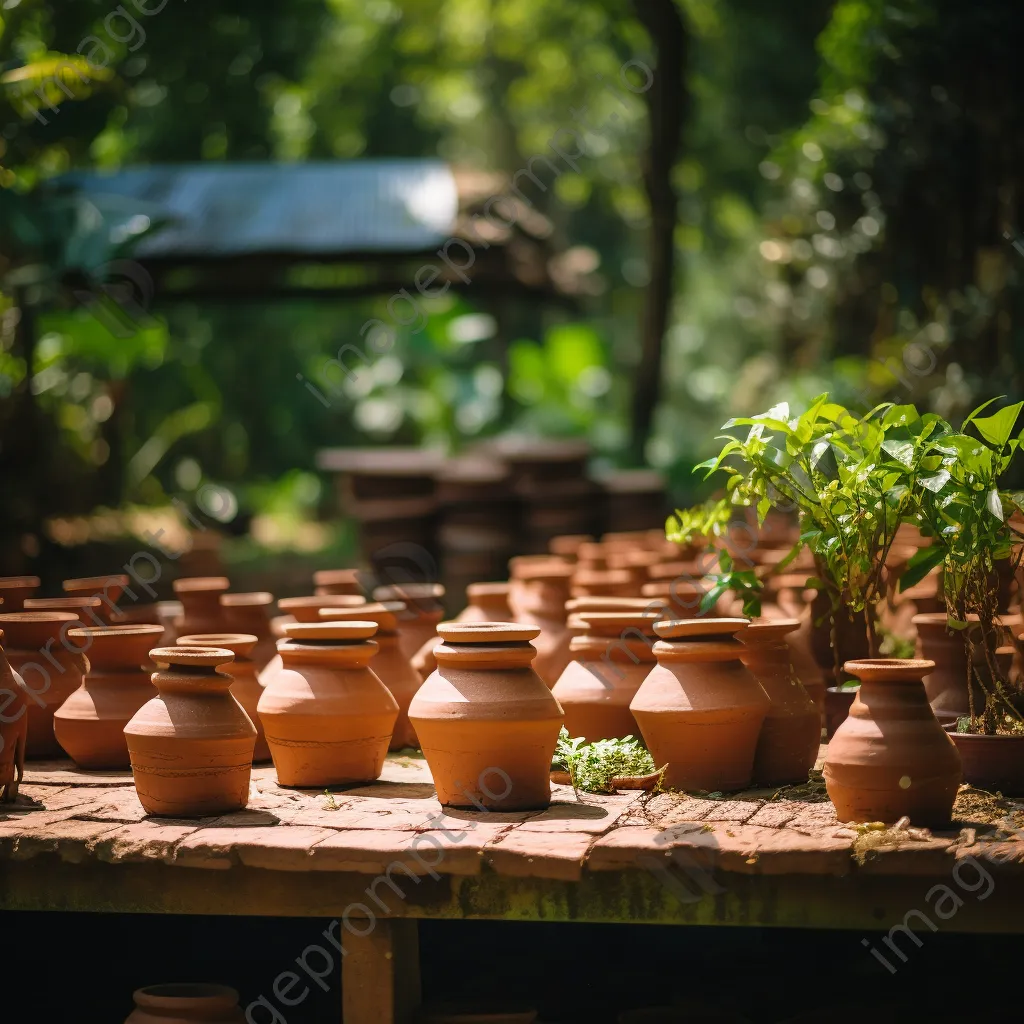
(485, 590)
(568, 543)
(486, 632)
(409, 592)
(614, 622)
(239, 644)
(893, 670)
(194, 657)
(255, 599)
(384, 613)
(307, 609)
(358, 629)
(187, 996)
(95, 583)
(56, 604)
(701, 628)
(19, 582)
(98, 632)
(200, 584)
(768, 632)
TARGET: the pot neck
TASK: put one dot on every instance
(691, 650)
(342, 654)
(512, 654)
(191, 679)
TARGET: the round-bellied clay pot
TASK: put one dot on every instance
(200, 598)
(337, 581)
(184, 1003)
(107, 588)
(791, 734)
(390, 664)
(14, 703)
(947, 684)
(604, 582)
(611, 658)
(51, 665)
(250, 614)
(245, 687)
(700, 709)
(191, 746)
(423, 611)
(89, 725)
(327, 716)
(891, 757)
(487, 722)
(486, 602)
(14, 590)
(537, 597)
(992, 763)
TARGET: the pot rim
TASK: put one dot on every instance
(692, 629)
(892, 670)
(57, 603)
(496, 589)
(198, 657)
(970, 737)
(19, 582)
(286, 604)
(239, 644)
(384, 613)
(766, 632)
(88, 582)
(133, 629)
(200, 584)
(255, 598)
(358, 629)
(195, 995)
(486, 632)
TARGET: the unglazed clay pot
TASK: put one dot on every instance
(992, 763)
(200, 599)
(700, 709)
(604, 582)
(14, 590)
(191, 746)
(185, 1003)
(14, 704)
(390, 664)
(850, 636)
(537, 596)
(245, 687)
(423, 611)
(611, 658)
(85, 609)
(947, 685)
(487, 722)
(327, 716)
(486, 602)
(89, 725)
(682, 597)
(28, 636)
(250, 614)
(107, 588)
(566, 545)
(891, 757)
(307, 609)
(791, 734)
(338, 581)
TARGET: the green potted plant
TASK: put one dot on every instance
(603, 766)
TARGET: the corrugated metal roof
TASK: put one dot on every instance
(233, 209)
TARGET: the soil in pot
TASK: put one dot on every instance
(202, 611)
(487, 722)
(183, 1003)
(700, 709)
(891, 758)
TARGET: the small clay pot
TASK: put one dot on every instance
(338, 581)
(891, 758)
(610, 660)
(604, 583)
(51, 666)
(184, 1003)
(191, 746)
(307, 609)
(487, 722)
(245, 687)
(788, 745)
(992, 763)
(537, 596)
(390, 664)
(947, 685)
(202, 611)
(89, 725)
(327, 716)
(106, 588)
(486, 602)
(700, 709)
(250, 614)
(838, 701)
(14, 704)
(14, 590)
(424, 609)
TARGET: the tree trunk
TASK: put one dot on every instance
(667, 104)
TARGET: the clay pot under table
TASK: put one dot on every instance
(791, 733)
(201, 608)
(250, 614)
(487, 722)
(107, 588)
(327, 716)
(992, 763)
(390, 664)
(14, 590)
(14, 703)
(423, 611)
(89, 725)
(947, 684)
(611, 658)
(338, 581)
(891, 757)
(245, 687)
(191, 746)
(35, 641)
(183, 1003)
(537, 597)
(700, 709)
(486, 602)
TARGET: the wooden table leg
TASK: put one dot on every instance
(380, 974)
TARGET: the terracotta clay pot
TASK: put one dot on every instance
(390, 664)
(200, 599)
(700, 709)
(851, 640)
(32, 638)
(338, 581)
(149, 615)
(184, 1003)
(89, 725)
(14, 590)
(486, 602)
(106, 588)
(891, 757)
(947, 685)
(423, 611)
(992, 763)
(191, 746)
(245, 687)
(14, 704)
(327, 716)
(307, 609)
(791, 734)
(487, 722)
(537, 597)
(250, 614)
(85, 609)
(682, 598)
(611, 658)
(604, 582)
(566, 545)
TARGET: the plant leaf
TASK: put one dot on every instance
(922, 563)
